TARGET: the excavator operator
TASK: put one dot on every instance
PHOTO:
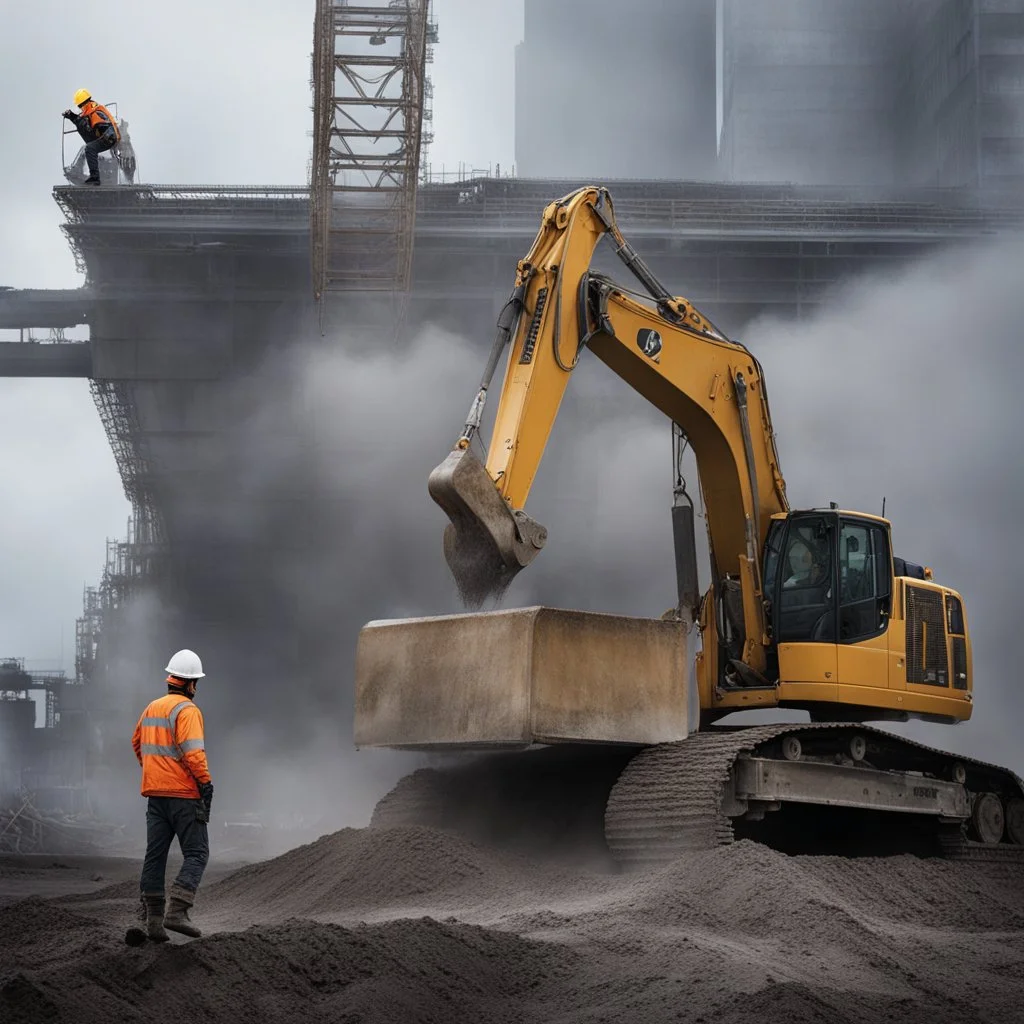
(98, 129)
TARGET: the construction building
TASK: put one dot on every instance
(886, 93)
(616, 90)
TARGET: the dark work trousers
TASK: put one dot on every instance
(93, 149)
(167, 817)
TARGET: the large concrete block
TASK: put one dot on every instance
(512, 678)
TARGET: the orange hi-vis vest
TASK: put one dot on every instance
(99, 117)
(169, 743)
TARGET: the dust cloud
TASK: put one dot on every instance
(301, 525)
(899, 387)
(904, 388)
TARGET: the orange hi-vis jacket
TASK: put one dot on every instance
(168, 741)
(99, 118)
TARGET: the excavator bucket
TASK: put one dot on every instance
(487, 542)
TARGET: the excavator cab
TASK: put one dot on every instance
(827, 577)
(853, 632)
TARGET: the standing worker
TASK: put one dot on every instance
(98, 129)
(168, 743)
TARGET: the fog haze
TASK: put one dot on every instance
(900, 387)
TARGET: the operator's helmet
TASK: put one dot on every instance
(82, 96)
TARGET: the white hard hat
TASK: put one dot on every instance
(185, 665)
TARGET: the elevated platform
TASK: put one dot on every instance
(158, 256)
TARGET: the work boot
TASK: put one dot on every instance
(91, 181)
(177, 914)
(155, 916)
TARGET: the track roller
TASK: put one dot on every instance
(987, 818)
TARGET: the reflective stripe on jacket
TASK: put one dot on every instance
(169, 744)
(99, 119)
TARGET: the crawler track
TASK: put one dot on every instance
(669, 799)
(649, 805)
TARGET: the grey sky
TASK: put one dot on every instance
(214, 93)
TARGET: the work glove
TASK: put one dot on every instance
(204, 801)
(69, 114)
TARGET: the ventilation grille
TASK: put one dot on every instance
(926, 638)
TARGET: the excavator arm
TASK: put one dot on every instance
(668, 352)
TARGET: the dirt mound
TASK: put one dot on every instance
(35, 932)
(751, 886)
(127, 890)
(414, 970)
(465, 931)
(358, 869)
(800, 1004)
(29, 921)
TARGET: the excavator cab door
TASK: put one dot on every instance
(865, 604)
(800, 585)
(829, 581)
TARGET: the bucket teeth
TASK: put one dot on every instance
(486, 543)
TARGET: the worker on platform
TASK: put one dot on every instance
(98, 129)
(170, 747)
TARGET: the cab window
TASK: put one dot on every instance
(864, 580)
(806, 593)
(773, 554)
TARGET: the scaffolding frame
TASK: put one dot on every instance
(370, 94)
(116, 407)
(132, 564)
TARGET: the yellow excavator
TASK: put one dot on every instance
(807, 609)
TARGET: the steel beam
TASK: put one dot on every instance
(42, 307)
(39, 359)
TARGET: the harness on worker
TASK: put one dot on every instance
(98, 114)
